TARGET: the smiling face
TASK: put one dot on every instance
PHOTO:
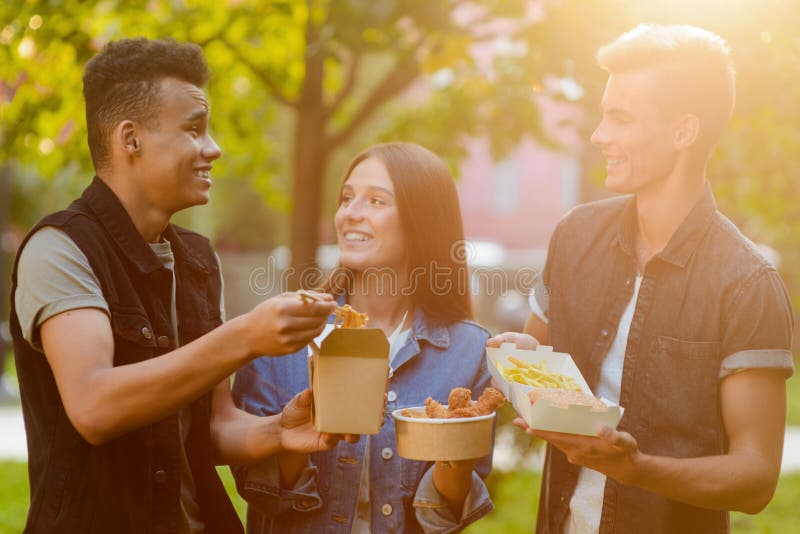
(368, 224)
(634, 135)
(174, 167)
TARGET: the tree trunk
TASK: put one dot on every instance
(308, 165)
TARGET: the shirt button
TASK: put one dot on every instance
(392, 396)
(386, 509)
(387, 453)
(604, 333)
(628, 282)
(147, 333)
(163, 342)
(160, 476)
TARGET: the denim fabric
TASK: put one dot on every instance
(707, 302)
(434, 360)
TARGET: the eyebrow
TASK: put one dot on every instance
(197, 115)
(618, 111)
(371, 188)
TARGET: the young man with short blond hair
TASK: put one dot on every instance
(666, 308)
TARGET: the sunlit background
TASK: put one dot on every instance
(507, 91)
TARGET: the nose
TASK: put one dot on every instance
(599, 136)
(352, 210)
(211, 149)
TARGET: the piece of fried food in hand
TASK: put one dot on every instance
(347, 317)
(489, 401)
(459, 398)
(435, 410)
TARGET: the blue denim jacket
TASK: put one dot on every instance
(434, 359)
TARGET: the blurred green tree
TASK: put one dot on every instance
(294, 82)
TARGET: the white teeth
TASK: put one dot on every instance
(355, 236)
(614, 161)
(203, 174)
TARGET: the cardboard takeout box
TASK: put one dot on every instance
(543, 415)
(431, 440)
(349, 376)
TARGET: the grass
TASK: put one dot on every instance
(14, 496)
(515, 495)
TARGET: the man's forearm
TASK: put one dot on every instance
(741, 482)
(241, 438)
(119, 399)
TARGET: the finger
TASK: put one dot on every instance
(520, 422)
(314, 295)
(303, 400)
(299, 324)
(302, 338)
(522, 341)
(499, 339)
(327, 297)
(298, 308)
(331, 440)
(621, 440)
(352, 438)
(493, 342)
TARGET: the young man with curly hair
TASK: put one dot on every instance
(122, 353)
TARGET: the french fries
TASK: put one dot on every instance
(536, 375)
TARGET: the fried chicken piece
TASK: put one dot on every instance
(414, 414)
(489, 401)
(435, 410)
(459, 398)
(347, 317)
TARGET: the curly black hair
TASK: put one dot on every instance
(123, 82)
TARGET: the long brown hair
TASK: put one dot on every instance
(428, 205)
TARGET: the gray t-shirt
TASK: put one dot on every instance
(54, 276)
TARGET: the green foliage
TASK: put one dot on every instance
(239, 504)
(14, 496)
(515, 496)
(259, 53)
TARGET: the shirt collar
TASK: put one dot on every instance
(112, 215)
(683, 242)
(423, 328)
(431, 331)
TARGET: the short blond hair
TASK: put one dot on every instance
(698, 75)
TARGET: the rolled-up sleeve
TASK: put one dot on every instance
(260, 486)
(758, 327)
(434, 514)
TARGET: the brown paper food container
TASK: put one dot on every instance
(349, 376)
(443, 439)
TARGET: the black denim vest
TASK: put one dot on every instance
(131, 484)
(689, 303)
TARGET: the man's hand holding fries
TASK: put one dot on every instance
(612, 452)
